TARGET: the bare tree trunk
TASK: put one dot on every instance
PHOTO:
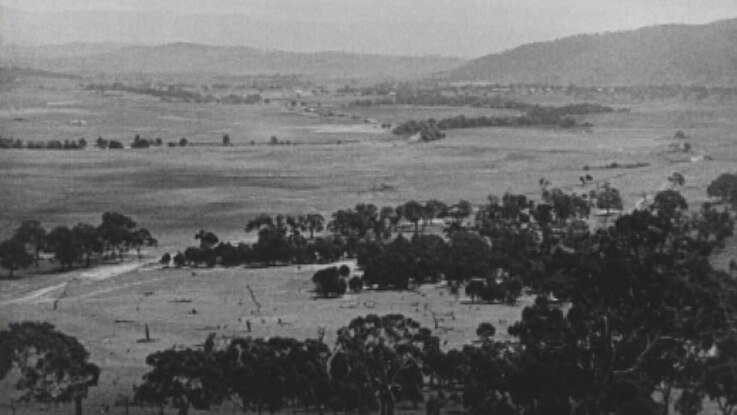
(78, 405)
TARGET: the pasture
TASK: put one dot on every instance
(332, 163)
(175, 191)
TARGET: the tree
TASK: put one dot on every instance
(643, 302)
(460, 211)
(195, 256)
(355, 284)
(183, 378)
(329, 282)
(387, 265)
(413, 211)
(88, 239)
(165, 260)
(53, 366)
(258, 373)
(669, 202)
(314, 222)
(226, 139)
(486, 331)
(65, 246)
(13, 255)
(724, 188)
(140, 238)
(32, 233)
(353, 224)
(566, 206)
(468, 257)
(259, 222)
(720, 379)
(387, 354)
(116, 230)
(179, 260)
(677, 179)
(272, 245)
(208, 239)
(608, 198)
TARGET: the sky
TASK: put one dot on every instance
(463, 28)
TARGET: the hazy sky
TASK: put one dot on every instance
(447, 27)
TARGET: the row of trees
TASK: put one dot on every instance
(138, 143)
(514, 241)
(467, 96)
(301, 239)
(177, 93)
(431, 129)
(113, 237)
(10, 143)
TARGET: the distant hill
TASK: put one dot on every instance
(188, 58)
(669, 54)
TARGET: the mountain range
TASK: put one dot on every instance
(655, 55)
(188, 58)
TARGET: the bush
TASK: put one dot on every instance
(328, 282)
(355, 284)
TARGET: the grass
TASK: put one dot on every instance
(108, 315)
(174, 192)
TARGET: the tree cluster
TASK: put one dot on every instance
(431, 129)
(301, 239)
(377, 361)
(10, 143)
(114, 236)
(724, 188)
(331, 282)
(52, 366)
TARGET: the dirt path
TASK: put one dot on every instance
(90, 276)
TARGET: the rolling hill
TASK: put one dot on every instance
(668, 54)
(190, 58)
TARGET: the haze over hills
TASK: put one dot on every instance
(187, 58)
(667, 54)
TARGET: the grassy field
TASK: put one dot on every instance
(176, 191)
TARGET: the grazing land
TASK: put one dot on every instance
(321, 164)
(331, 162)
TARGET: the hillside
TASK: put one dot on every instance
(188, 58)
(669, 54)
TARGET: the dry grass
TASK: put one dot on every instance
(174, 192)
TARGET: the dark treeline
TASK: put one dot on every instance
(101, 143)
(629, 318)
(428, 93)
(302, 239)
(80, 244)
(431, 129)
(16, 143)
(507, 243)
(9, 75)
(172, 93)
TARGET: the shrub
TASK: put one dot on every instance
(328, 282)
